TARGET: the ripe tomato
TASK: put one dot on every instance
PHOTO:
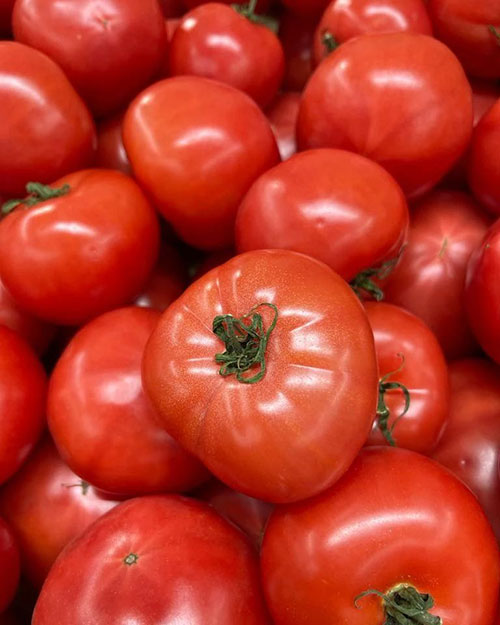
(215, 41)
(166, 283)
(296, 34)
(72, 257)
(46, 129)
(283, 115)
(193, 158)
(262, 5)
(401, 99)
(314, 203)
(429, 280)
(408, 353)
(10, 566)
(100, 419)
(395, 521)
(282, 436)
(155, 560)
(47, 505)
(111, 152)
(22, 401)
(109, 49)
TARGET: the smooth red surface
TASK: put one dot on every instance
(22, 401)
(429, 280)
(68, 259)
(46, 129)
(109, 49)
(192, 567)
(336, 206)
(196, 146)
(283, 114)
(167, 281)
(47, 505)
(296, 34)
(404, 341)
(395, 517)
(401, 99)
(285, 437)
(10, 565)
(111, 152)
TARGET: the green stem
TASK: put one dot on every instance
(404, 605)
(329, 42)
(383, 412)
(363, 283)
(495, 32)
(37, 193)
(248, 10)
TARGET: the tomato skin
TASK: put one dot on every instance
(111, 152)
(109, 49)
(192, 567)
(167, 281)
(194, 159)
(379, 526)
(47, 505)
(214, 41)
(82, 253)
(215, 417)
(429, 280)
(22, 401)
(283, 114)
(415, 117)
(313, 203)
(37, 104)
(296, 35)
(11, 565)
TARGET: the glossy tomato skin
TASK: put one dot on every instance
(215, 41)
(109, 49)
(190, 566)
(283, 114)
(22, 401)
(394, 518)
(415, 116)
(10, 565)
(47, 505)
(296, 34)
(463, 25)
(196, 146)
(167, 281)
(284, 437)
(47, 131)
(82, 253)
(404, 341)
(429, 280)
(100, 419)
(111, 152)
(314, 203)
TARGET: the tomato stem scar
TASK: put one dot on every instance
(131, 559)
(37, 193)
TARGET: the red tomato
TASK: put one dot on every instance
(170, 28)
(72, 257)
(100, 419)
(22, 401)
(482, 292)
(110, 149)
(216, 42)
(9, 565)
(46, 129)
(109, 49)
(409, 353)
(429, 280)
(166, 283)
(401, 99)
(306, 7)
(296, 34)
(283, 437)
(194, 159)
(262, 5)
(6, 7)
(470, 445)
(464, 26)
(483, 170)
(314, 203)
(283, 115)
(345, 19)
(47, 505)
(395, 521)
(155, 560)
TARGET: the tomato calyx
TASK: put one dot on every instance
(363, 283)
(246, 342)
(495, 32)
(383, 412)
(404, 605)
(37, 193)
(248, 10)
(329, 42)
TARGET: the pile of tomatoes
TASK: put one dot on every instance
(249, 312)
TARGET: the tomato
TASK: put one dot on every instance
(470, 445)
(277, 431)
(74, 256)
(314, 203)
(155, 560)
(262, 5)
(170, 28)
(429, 280)
(215, 41)
(111, 152)
(22, 401)
(396, 521)
(482, 295)
(166, 283)
(306, 7)
(401, 99)
(46, 129)
(100, 419)
(9, 565)
(109, 49)
(464, 26)
(296, 35)
(483, 170)
(283, 115)
(47, 505)
(196, 161)
(6, 7)
(408, 353)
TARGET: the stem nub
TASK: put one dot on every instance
(37, 193)
(495, 32)
(383, 412)
(329, 42)
(248, 10)
(404, 605)
(363, 283)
